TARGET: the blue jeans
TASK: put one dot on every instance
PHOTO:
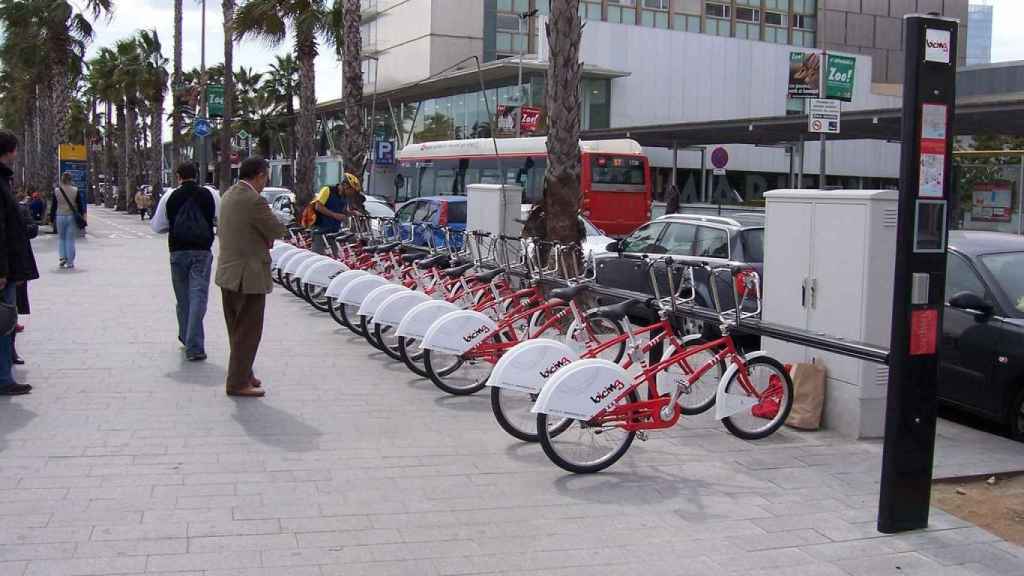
(67, 231)
(190, 274)
(7, 342)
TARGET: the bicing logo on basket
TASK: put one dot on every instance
(561, 363)
(616, 386)
(475, 333)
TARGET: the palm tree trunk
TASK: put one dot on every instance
(175, 85)
(108, 156)
(124, 158)
(305, 164)
(226, 132)
(156, 142)
(94, 177)
(562, 180)
(354, 141)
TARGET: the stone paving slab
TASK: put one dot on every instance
(126, 459)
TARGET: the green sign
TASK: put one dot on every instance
(243, 135)
(215, 100)
(839, 77)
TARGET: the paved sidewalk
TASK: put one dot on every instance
(126, 459)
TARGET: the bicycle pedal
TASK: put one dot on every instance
(641, 436)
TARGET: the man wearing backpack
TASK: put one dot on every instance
(189, 214)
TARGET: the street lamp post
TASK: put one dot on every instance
(202, 97)
(524, 18)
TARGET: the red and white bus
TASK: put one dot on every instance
(615, 176)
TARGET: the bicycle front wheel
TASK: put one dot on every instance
(315, 296)
(350, 313)
(388, 340)
(766, 380)
(585, 447)
(334, 307)
(512, 410)
(412, 356)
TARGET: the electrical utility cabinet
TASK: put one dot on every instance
(494, 208)
(828, 265)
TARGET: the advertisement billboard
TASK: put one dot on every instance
(840, 77)
(992, 201)
(804, 75)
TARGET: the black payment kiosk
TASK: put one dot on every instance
(919, 283)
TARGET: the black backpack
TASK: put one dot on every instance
(191, 226)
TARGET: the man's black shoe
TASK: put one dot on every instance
(15, 389)
(196, 357)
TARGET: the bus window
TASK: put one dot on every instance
(617, 170)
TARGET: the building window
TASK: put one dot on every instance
(654, 19)
(748, 31)
(805, 6)
(773, 18)
(748, 15)
(590, 10)
(802, 22)
(685, 22)
(621, 15)
(801, 38)
(656, 4)
(782, 5)
(543, 7)
(513, 5)
(716, 10)
(776, 35)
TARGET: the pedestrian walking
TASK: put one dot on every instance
(247, 230)
(17, 263)
(188, 214)
(69, 221)
(144, 202)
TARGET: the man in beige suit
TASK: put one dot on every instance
(247, 230)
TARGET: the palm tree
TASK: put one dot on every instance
(176, 85)
(282, 85)
(226, 133)
(154, 91)
(354, 142)
(102, 80)
(64, 30)
(562, 179)
(130, 68)
(309, 22)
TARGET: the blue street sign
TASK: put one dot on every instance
(201, 127)
(384, 153)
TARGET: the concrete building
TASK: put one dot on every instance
(645, 62)
(979, 38)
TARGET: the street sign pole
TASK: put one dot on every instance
(822, 179)
(920, 271)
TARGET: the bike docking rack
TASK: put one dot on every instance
(747, 323)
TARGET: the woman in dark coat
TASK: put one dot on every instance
(21, 294)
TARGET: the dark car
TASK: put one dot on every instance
(436, 211)
(982, 368)
(737, 238)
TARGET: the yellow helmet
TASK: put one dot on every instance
(353, 181)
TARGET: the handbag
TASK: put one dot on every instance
(79, 219)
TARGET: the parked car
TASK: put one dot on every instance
(435, 210)
(737, 238)
(270, 194)
(982, 363)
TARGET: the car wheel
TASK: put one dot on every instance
(1016, 419)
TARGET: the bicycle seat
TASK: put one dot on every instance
(569, 292)
(440, 261)
(458, 270)
(489, 276)
(614, 311)
(410, 258)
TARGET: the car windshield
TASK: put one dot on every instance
(379, 210)
(753, 244)
(1008, 270)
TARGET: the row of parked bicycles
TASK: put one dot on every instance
(517, 316)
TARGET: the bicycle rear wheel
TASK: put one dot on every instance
(350, 313)
(585, 448)
(388, 340)
(334, 307)
(511, 409)
(595, 332)
(369, 334)
(412, 356)
(697, 396)
(457, 374)
(315, 296)
(772, 386)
